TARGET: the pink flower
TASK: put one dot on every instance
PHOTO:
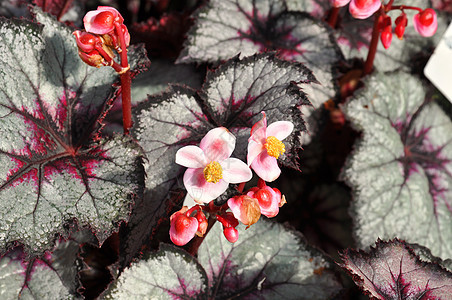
(362, 9)
(265, 146)
(339, 3)
(269, 199)
(183, 228)
(426, 22)
(210, 168)
(102, 20)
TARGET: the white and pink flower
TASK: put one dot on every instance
(210, 168)
(265, 147)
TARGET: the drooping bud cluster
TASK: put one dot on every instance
(425, 22)
(104, 32)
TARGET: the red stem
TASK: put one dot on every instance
(368, 66)
(403, 7)
(125, 84)
(333, 16)
(63, 10)
(197, 241)
(126, 102)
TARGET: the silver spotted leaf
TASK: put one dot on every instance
(232, 96)
(392, 270)
(401, 168)
(53, 276)
(54, 169)
(267, 262)
(170, 273)
(225, 29)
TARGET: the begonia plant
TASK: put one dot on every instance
(249, 149)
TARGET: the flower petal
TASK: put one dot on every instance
(191, 157)
(218, 144)
(235, 171)
(201, 190)
(258, 130)
(266, 167)
(280, 129)
(254, 149)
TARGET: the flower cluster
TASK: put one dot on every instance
(425, 21)
(104, 32)
(210, 170)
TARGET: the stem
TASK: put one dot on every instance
(126, 102)
(197, 241)
(125, 84)
(403, 7)
(333, 16)
(368, 66)
(63, 10)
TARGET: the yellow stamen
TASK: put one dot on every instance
(274, 147)
(213, 172)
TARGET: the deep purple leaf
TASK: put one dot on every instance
(54, 168)
(392, 270)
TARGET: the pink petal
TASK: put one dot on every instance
(339, 3)
(201, 190)
(235, 171)
(362, 9)
(258, 130)
(423, 30)
(191, 157)
(280, 129)
(266, 167)
(254, 149)
(218, 144)
(92, 26)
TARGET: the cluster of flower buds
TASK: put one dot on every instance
(211, 170)
(425, 23)
(246, 208)
(104, 32)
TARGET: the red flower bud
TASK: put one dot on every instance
(386, 38)
(102, 20)
(86, 42)
(231, 234)
(183, 228)
(426, 22)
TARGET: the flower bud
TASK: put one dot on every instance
(183, 228)
(426, 22)
(401, 23)
(362, 9)
(202, 223)
(102, 20)
(245, 208)
(269, 199)
(386, 38)
(231, 234)
(86, 42)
